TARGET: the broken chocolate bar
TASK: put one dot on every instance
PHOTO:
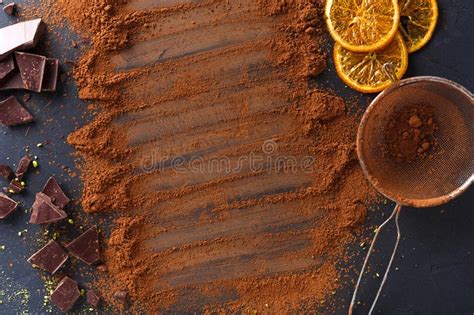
(44, 211)
(23, 166)
(7, 206)
(10, 9)
(12, 113)
(66, 294)
(54, 191)
(93, 298)
(12, 81)
(50, 258)
(23, 35)
(86, 246)
(50, 77)
(31, 70)
(6, 66)
(6, 172)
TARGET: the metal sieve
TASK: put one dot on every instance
(429, 182)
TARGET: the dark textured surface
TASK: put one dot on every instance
(435, 262)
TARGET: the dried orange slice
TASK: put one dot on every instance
(362, 25)
(365, 72)
(417, 22)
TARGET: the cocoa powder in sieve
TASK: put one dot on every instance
(264, 239)
(411, 133)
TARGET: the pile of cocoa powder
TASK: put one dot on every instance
(411, 133)
(168, 259)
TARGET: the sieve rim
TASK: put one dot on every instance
(417, 203)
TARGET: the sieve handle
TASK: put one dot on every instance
(395, 214)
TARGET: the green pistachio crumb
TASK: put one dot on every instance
(35, 164)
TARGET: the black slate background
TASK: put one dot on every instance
(435, 265)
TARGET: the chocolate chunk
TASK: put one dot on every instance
(6, 66)
(12, 81)
(10, 8)
(50, 78)
(7, 206)
(66, 294)
(54, 191)
(23, 166)
(23, 35)
(50, 258)
(15, 186)
(86, 246)
(44, 211)
(121, 296)
(31, 70)
(26, 97)
(12, 113)
(6, 172)
(93, 298)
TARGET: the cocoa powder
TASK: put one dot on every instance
(182, 85)
(411, 133)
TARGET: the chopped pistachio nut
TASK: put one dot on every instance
(70, 221)
(23, 183)
(2, 247)
(39, 145)
(35, 163)
(82, 291)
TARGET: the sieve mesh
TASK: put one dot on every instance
(444, 173)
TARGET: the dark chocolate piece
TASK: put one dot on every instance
(19, 36)
(86, 246)
(6, 172)
(66, 294)
(7, 206)
(31, 70)
(6, 66)
(50, 77)
(12, 113)
(93, 298)
(121, 296)
(50, 258)
(54, 191)
(23, 166)
(15, 186)
(44, 211)
(12, 81)
(10, 8)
